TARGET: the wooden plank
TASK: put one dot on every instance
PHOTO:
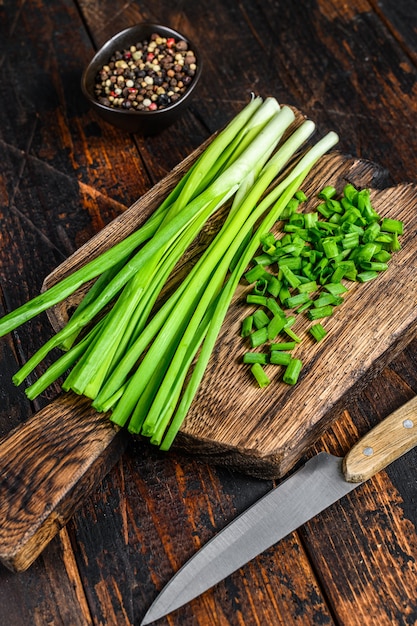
(52, 587)
(50, 465)
(50, 590)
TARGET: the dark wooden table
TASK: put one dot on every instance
(64, 174)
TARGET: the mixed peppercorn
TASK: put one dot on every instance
(149, 75)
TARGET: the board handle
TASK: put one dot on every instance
(48, 466)
(386, 442)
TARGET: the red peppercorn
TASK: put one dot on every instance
(153, 106)
(170, 42)
(150, 56)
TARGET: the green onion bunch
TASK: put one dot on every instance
(138, 343)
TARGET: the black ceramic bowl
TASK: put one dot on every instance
(137, 121)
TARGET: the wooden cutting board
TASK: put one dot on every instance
(263, 432)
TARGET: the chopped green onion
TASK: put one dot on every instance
(283, 345)
(258, 337)
(300, 196)
(254, 299)
(247, 326)
(260, 375)
(335, 288)
(327, 192)
(289, 276)
(260, 319)
(330, 248)
(350, 193)
(275, 326)
(273, 286)
(292, 371)
(319, 312)
(327, 298)
(279, 358)
(377, 266)
(392, 226)
(364, 277)
(284, 294)
(255, 273)
(383, 256)
(255, 357)
(288, 331)
(260, 286)
(297, 300)
(308, 287)
(317, 331)
(274, 307)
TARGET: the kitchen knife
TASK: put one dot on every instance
(323, 480)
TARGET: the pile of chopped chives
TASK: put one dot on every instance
(302, 269)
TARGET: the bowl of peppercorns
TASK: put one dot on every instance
(142, 79)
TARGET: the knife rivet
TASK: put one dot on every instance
(368, 451)
(408, 423)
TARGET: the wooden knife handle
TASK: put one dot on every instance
(48, 466)
(390, 439)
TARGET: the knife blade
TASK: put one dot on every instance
(321, 482)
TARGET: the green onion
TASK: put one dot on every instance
(274, 307)
(281, 197)
(273, 286)
(327, 192)
(364, 277)
(319, 312)
(275, 326)
(377, 266)
(392, 226)
(283, 345)
(260, 319)
(317, 331)
(255, 274)
(288, 331)
(260, 375)
(258, 337)
(279, 358)
(300, 196)
(292, 371)
(297, 300)
(308, 287)
(247, 326)
(289, 276)
(255, 299)
(344, 238)
(255, 357)
(335, 289)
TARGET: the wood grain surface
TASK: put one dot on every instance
(64, 175)
(49, 465)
